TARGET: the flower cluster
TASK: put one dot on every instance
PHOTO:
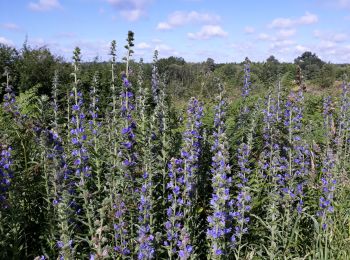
(247, 83)
(54, 103)
(328, 182)
(329, 121)
(5, 174)
(269, 159)
(128, 135)
(79, 138)
(145, 236)
(93, 108)
(10, 101)
(61, 170)
(155, 78)
(178, 237)
(342, 140)
(220, 171)
(297, 152)
(182, 174)
(174, 221)
(242, 202)
(328, 185)
(120, 227)
(191, 149)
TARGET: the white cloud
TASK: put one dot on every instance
(249, 29)
(263, 37)
(89, 48)
(327, 50)
(180, 18)
(132, 15)
(163, 26)
(66, 35)
(339, 3)
(282, 38)
(242, 45)
(38, 42)
(92, 48)
(285, 33)
(5, 41)
(308, 18)
(332, 51)
(335, 4)
(143, 45)
(10, 26)
(243, 49)
(326, 45)
(301, 48)
(317, 33)
(282, 47)
(44, 5)
(163, 47)
(281, 44)
(165, 50)
(131, 10)
(101, 10)
(156, 40)
(207, 32)
(340, 37)
(281, 23)
(331, 35)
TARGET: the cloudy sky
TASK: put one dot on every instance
(225, 30)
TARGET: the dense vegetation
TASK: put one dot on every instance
(104, 160)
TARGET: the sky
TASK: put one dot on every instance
(225, 30)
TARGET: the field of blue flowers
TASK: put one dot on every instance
(139, 178)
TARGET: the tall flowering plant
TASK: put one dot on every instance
(126, 174)
(174, 220)
(80, 155)
(5, 175)
(240, 197)
(125, 196)
(146, 203)
(270, 165)
(183, 177)
(218, 220)
(190, 155)
(294, 177)
(328, 181)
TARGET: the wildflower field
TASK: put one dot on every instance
(129, 173)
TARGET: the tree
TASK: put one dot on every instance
(310, 64)
(326, 76)
(163, 64)
(8, 58)
(209, 65)
(37, 66)
(228, 72)
(270, 70)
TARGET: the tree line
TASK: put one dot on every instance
(34, 68)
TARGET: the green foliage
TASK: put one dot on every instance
(27, 101)
(36, 66)
(209, 65)
(313, 116)
(164, 63)
(310, 64)
(271, 70)
(92, 209)
(326, 76)
(9, 57)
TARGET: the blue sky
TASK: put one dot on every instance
(225, 30)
